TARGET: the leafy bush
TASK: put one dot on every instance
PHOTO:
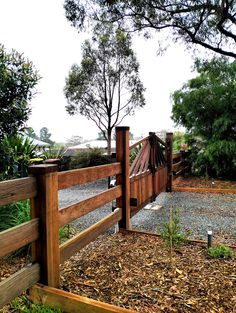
(205, 106)
(90, 157)
(133, 153)
(220, 252)
(23, 305)
(179, 139)
(14, 214)
(15, 154)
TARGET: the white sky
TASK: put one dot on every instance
(39, 29)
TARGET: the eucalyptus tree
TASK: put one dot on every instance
(105, 87)
(206, 23)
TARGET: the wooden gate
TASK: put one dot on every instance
(148, 171)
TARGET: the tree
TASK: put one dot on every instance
(210, 24)
(105, 87)
(101, 136)
(206, 106)
(17, 81)
(74, 140)
(45, 135)
(29, 131)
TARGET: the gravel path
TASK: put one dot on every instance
(197, 211)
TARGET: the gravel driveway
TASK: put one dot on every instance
(197, 211)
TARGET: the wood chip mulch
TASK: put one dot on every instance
(134, 271)
(198, 182)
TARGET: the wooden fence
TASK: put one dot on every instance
(180, 163)
(146, 179)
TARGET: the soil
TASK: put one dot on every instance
(198, 182)
(134, 271)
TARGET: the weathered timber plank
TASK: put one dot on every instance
(84, 175)
(71, 303)
(13, 286)
(177, 165)
(18, 236)
(45, 205)
(210, 190)
(70, 213)
(17, 189)
(176, 155)
(139, 176)
(76, 243)
(138, 142)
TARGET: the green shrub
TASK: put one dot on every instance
(220, 252)
(90, 157)
(23, 305)
(133, 153)
(14, 214)
(15, 154)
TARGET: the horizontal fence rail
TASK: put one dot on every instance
(180, 163)
(74, 211)
(18, 236)
(85, 175)
(13, 286)
(69, 302)
(17, 189)
(78, 242)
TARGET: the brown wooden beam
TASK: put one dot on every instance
(85, 175)
(18, 236)
(122, 155)
(71, 303)
(45, 206)
(17, 189)
(13, 286)
(169, 160)
(71, 246)
(207, 190)
(70, 213)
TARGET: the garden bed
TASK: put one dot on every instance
(198, 182)
(134, 271)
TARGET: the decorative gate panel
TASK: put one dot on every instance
(148, 171)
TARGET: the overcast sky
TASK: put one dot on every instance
(39, 29)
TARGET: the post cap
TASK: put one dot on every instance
(43, 169)
(118, 128)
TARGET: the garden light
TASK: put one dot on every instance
(209, 237)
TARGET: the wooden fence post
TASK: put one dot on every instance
(45, 206)
(122, 155)
(169, 160)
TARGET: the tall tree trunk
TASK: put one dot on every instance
(109, 142)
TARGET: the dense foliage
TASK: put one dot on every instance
(17, 81)
(105, 87)
(88, 158)
(206, 106)
(15, 154)
(210, 24)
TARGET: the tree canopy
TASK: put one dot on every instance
(45, 135)
(210, 24)
(105, 87)
(206, 106)
(17, 81)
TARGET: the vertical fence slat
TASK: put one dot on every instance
(169, 160)
(45, 205)
(122, 155)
